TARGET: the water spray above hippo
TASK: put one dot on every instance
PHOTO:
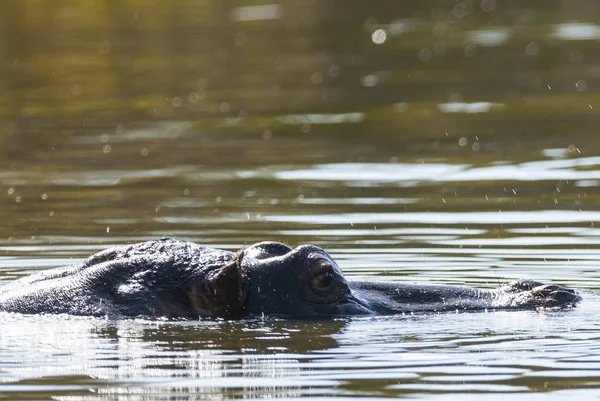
(178, 279)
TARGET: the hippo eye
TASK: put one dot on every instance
(323, 281)
(325, 285)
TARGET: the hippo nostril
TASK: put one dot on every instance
(552, 295)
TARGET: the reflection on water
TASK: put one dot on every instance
(577, 31)
(487, 352)
(408, 174)
(449, 142)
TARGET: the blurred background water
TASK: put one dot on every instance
(422, 141)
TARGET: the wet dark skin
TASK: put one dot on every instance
(178, 279)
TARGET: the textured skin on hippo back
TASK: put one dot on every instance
(150, 278)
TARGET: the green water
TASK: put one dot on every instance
(419, 141)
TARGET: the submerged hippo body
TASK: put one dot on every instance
(180, 279)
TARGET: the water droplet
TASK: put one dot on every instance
(224, 107)
(144, 152)
(186, 192)
(425, 54)
(463, 141)
(11, 191)
(267, 134)
(44, 196)
(120, 129)
(106, 149)
(580, 85)
(379, 36)
(104, 138)
(532, 49)
(316, 78)
(476, 147)
(176, 101)
(193, 97)
(334, 71)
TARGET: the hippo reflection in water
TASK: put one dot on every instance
(178, 279)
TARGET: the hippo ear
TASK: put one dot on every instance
(228, 278)
(223, 293)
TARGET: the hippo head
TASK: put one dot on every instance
(270, 278)
(304, 281)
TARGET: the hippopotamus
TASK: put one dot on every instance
(179, 279)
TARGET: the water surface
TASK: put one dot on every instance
(429, 142)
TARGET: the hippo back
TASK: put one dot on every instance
(145, 279)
